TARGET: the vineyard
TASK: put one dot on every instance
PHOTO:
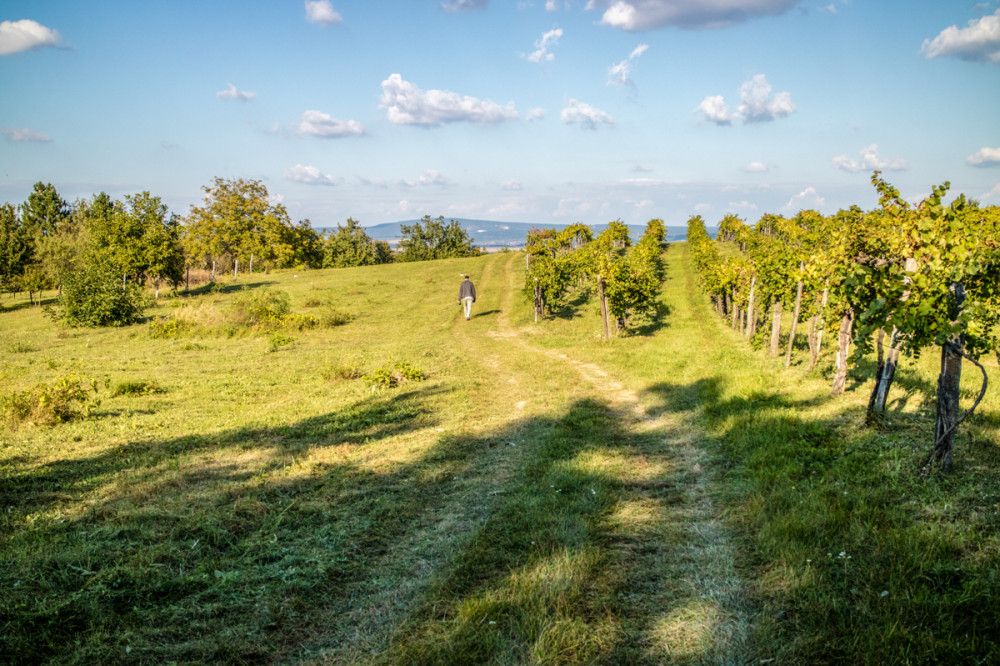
(901, 279)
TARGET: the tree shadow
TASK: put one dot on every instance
(224, 287)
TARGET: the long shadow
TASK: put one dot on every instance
(225, 288)
(367, 421)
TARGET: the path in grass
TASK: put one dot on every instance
(591, 536)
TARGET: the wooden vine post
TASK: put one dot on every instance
(604, 307)
(795, 316)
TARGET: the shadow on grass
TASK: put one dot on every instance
(225, 287)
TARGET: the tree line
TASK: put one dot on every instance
(898, 279)
(48, 243)
(562, 264)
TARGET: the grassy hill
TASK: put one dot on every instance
(523, 493)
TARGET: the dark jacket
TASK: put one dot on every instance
(467, 290)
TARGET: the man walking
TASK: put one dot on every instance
(467, 296)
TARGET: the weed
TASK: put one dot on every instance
(279, 340)
(161, 328)
(342, 372)
(47, 404)
(312, 302)
(138, 387)
(21, 348)
(394, 374)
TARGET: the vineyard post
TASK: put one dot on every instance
(949, 380)
(750, 309)
(795, 317)
(538, 299)
(236, 267)
(187, 278)
(775, 327)
(843, 348)
(604, 307)
(733, 311)
(888, 372)
(820, 325)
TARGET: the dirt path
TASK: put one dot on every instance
(704, 616)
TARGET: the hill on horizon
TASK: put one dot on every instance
(494, 234)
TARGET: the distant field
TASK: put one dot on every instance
(531, 495)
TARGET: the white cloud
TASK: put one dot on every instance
(992, 195)
(25, 35)
(638, 15)
(641, 168)
(985, 157)
(586, 115)
(406, 104)
(316, 123)
(512, 185)
(232, 93)
(536, 113)
(455, 6)
(807, 198)
(322, 12)
(757, 105)
(309, 175)
(619, 74)
(980, 42)
(25, 135)
(756, 167)
(542, 45)
(715, 110)
(870, 160)
(744, 205)
(428, 178)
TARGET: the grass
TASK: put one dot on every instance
(529, 493)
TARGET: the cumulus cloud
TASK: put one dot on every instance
(715, 110)
(585, 115)
(979, 42)
(992, 195)
(870, 160)
(756, 167)
(620, 74)
(406, 104)
(757, 104)
(985, 157)
(428, 178)
(317, 123)
(639, 15)
(309, 175)
(25, 135)
(455, 6)
(322, 12)
(536, 113)
(542, 45)
(25, 35)
(807, 198)
(512, 185)
(232, 93)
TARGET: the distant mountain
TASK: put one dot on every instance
(492, 234)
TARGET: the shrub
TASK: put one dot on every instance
(95, 296)
(48, 404)
(333, 318)
(279, 340)
(391, 375)
(261, 306)
(21, 348)
(167, 328)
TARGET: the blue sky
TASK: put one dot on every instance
(542, 111)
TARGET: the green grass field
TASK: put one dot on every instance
(541, 496)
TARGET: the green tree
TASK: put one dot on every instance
(350, 245)
(44, 211)
(15, 248)
(433, 239)
(238, 222)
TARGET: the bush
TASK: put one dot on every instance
(279, 340)
(262, 306)
(167, 328)
(332, 318)
(48, 404)
(389, 376)
(94, 296)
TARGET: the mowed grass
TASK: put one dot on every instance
(541, 497)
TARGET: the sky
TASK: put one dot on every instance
(539, 111)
